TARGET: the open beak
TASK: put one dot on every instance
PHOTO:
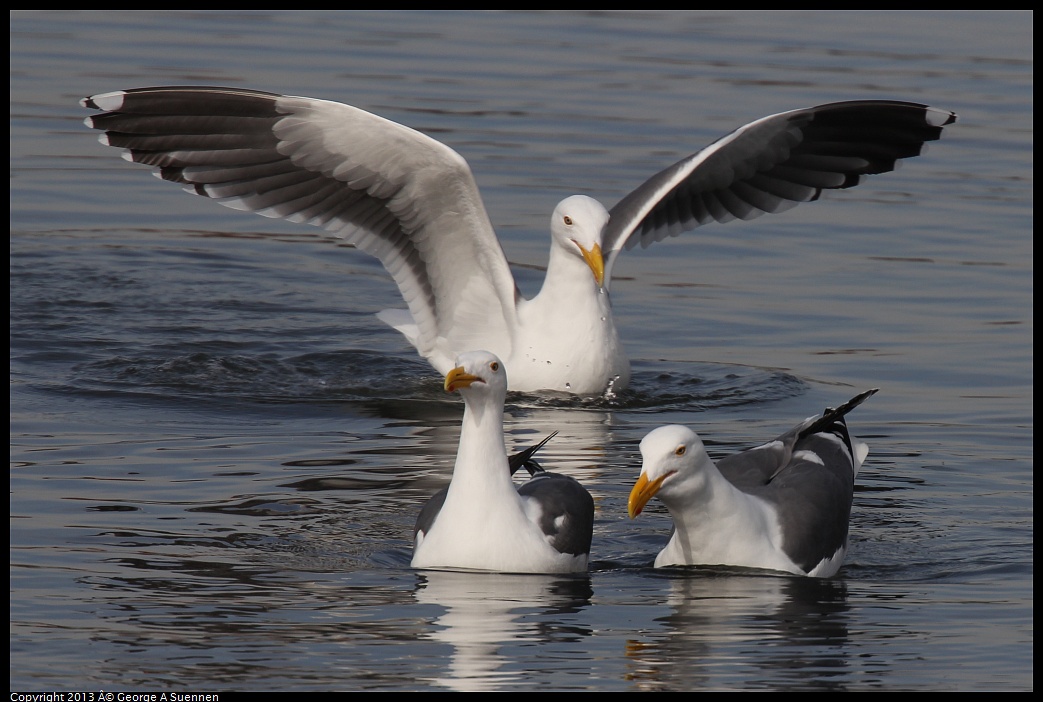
(459, 378)
(596, 263)
(644, 490)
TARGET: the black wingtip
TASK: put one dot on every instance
(852, 403)
(524, 459)
(832, 415)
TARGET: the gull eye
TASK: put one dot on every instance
(494, 366)
(568, 220)
(680, 450)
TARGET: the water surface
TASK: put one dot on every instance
(218, 452)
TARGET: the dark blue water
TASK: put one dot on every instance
(217, 452)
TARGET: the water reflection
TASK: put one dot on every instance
(171, 375)
(487, 612)
(794, 629)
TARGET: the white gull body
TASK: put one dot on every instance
(413, 203)
(483, 521)
(781, 506)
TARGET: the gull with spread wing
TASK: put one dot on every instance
(413, 202)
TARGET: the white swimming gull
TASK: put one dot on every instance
(482, 521)
(781, 506)
(413, 203)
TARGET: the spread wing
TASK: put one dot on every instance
(771, 165)
(391, 191)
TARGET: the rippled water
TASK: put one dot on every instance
(218, 452)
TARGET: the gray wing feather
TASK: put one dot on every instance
(808, 474)
(771, 165)
(566, 511)
(394, 193)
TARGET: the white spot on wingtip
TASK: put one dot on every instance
(861, 452)
(809, 456)
(939, 118)
(105, 101)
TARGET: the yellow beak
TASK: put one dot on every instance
(458, 378)
(596, 263)
(644, 490)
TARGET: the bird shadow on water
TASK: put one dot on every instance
(393, 386)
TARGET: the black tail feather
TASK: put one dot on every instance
(524, 459)
(831, 416)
